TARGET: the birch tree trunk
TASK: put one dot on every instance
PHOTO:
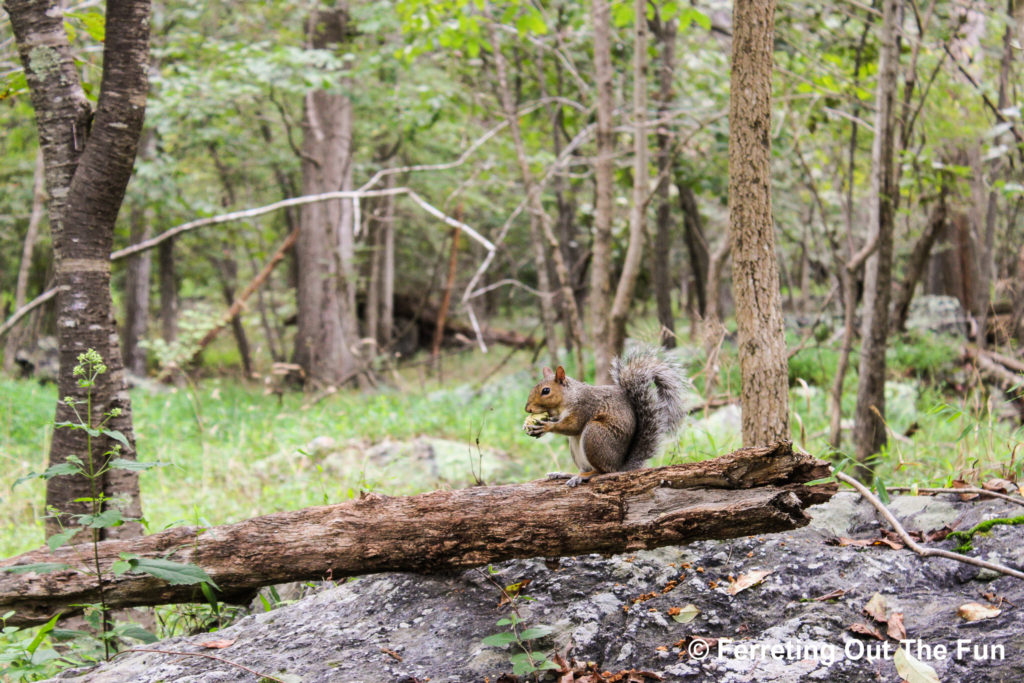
(762, 344)
(869, 419)
(88, 157)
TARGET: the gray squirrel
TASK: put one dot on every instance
(613, 427)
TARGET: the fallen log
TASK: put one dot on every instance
(751, 491)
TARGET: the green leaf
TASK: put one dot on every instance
(59, 539)
(522, 664)
(103, 520)
(535, 632)
(174, 573)
(117, 436)
(120, 567)
(500, 639)
(41, 635)
(137, 632)
(131, 465)
(548, 664)
(63, 468)
(94, 22)
(38, 567)
(509, 620)
(211, 597)
(531, 21)
(883, 493)
(622, 14)
(30, 475)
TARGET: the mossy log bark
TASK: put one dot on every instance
(750, 491)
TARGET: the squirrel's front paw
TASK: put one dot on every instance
(535, 430)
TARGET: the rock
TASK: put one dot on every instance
(934, 313)
(614, 611)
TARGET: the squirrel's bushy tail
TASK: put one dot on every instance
(654, 385)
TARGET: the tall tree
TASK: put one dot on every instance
(869, 419)
(88, 157)
(665, 34)
(762, 344)
(324, 251)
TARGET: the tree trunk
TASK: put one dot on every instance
(846, 274)
(697, 248)
(748, 492)
(168, 291)
(665, 33)
(28, 247)
(762, 344)
(604, 168)
(89, 158)
(136, 295)
(869, 420)
(136, 300)
(916, 262)
(227, 272)
(324, 248)
(641, 185)
(986, 252)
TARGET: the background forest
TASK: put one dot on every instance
(489, 147)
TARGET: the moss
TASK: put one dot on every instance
(964, 537)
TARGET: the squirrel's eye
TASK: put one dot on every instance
(545, 391)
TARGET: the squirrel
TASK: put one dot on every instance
(615, 427)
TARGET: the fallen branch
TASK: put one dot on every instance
(751, 491)
(921, 550)
(981, 492)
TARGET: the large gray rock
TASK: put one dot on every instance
(406, 627)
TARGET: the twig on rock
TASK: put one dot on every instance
(921, 550)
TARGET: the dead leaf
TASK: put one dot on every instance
(961, 484)
(895, 628)
(973, 611)
(876, 608)
(865, 630)
(217, 644)
(684, 615)
(749, 579)
(999, 485)
(842, 542)
(834, 595)
(913, 670)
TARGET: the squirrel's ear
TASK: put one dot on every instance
(560, 375)
(549, 374)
